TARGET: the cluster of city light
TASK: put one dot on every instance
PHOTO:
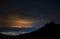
(13, 33)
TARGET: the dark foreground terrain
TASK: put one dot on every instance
(49, 31)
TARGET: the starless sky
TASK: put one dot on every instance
(42, 10)
(46, 10)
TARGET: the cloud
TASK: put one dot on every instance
(14, 21)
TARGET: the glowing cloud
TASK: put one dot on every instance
(16, 22)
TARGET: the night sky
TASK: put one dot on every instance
(42, 10)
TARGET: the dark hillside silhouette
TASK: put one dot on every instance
(49, 31)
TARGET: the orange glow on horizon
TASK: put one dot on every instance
(16, 22)
(21, 24)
